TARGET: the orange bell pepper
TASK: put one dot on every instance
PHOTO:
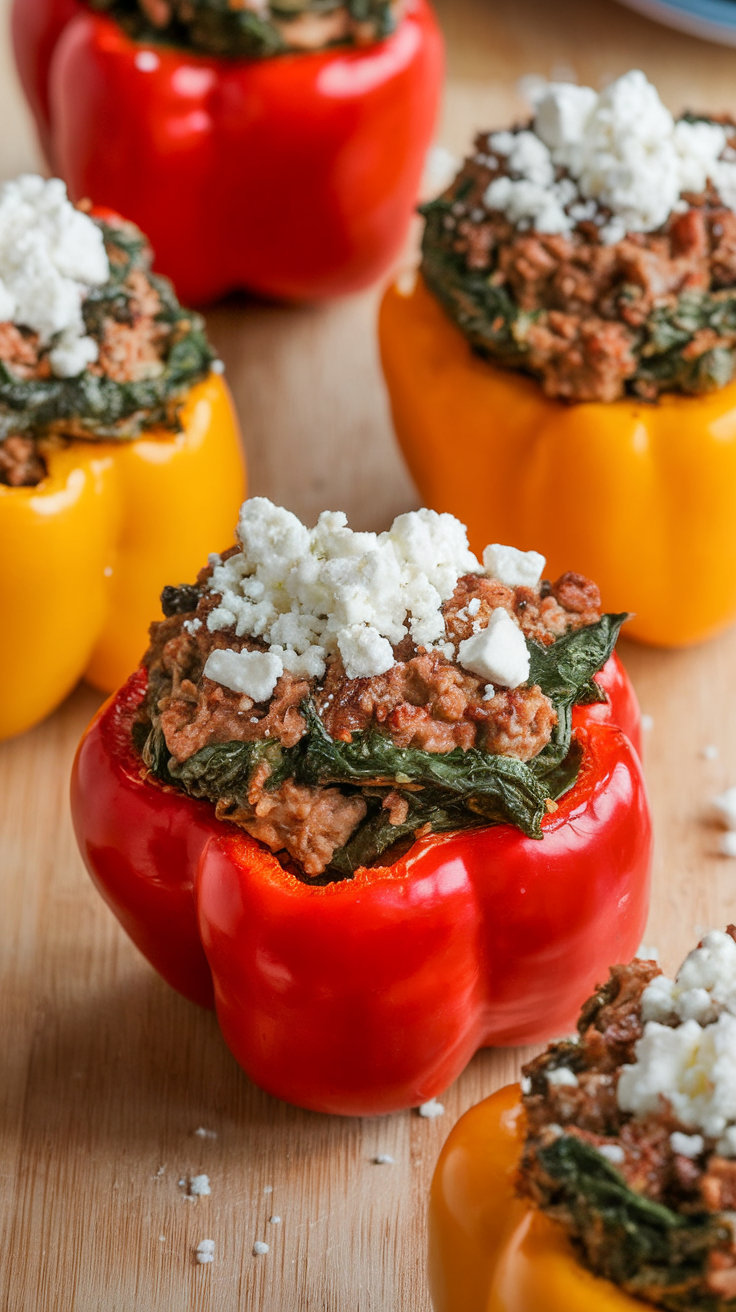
(86, 553)
(490, 1251)
(639, 496)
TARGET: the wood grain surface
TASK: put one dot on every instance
(105, 1074)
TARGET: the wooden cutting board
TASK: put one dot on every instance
(105, 1074)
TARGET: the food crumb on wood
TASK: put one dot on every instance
(199, 1186)
(268, 1189)
(710, 752)
(259, 1248)
(202, 1133)
(383, 1159)
(727, 844)
(274, 1220)
(647, 723)
(205, 1251)
(431, 1109)
(725, 808)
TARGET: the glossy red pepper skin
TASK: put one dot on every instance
(294, 176)
(372, 994)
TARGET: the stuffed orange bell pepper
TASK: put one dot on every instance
(120, 459)
(374, 801)
(609, 1183)
(287, 137)
(572, 334)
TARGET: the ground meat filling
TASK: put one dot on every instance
(583, 1106)
(150, 352)
(426, 701)
(255, 28)
(651, 313)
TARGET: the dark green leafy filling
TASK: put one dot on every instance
(218, 27)
(445, 791)
(93, 405)
(652, 1252)
(498, 328)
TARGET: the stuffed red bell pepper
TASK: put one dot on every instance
(378, 796)
(275, 146)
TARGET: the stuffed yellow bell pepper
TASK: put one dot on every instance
(120, 462)
(561, 372)
(609, 1183)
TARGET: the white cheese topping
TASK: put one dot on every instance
(254, 673)
(620, 151)
(725, 808)
(311, 593)
(687, 1053)
(612, 1152)
(517, 569)
(50, 256)
(199, 1186)
(687, 1145)
(562, 1077)
(205, 1251)
(497, 653)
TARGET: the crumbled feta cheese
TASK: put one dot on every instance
(383, 1159)
(517, 569)
(199, 1186)
(647, 723)
(255, 673)
(473, 606)
(687, 1053)
(205, 1134)
(309, 593)
(612, 1152)
(274, 1220)
(562, 1077)
(489, 692)
(726, 1146)
(440, 167)
(710, 752)
(687, 1145)
(50, 256)
(526, 1084)
(192, 626)
(205, 1251)
(727, 843)
(268, 1188)
(259, 1248)
(498, 653)
(647, 953)
(725, 808)
(624, 151)
(432, 1109)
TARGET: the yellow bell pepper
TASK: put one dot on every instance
(86, 553)
(640, 497)
(490, 1251)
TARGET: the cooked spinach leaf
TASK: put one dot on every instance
(653, 1252)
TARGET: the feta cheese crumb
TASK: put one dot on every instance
(647, 723)
(687, 1145)
(51, 255)
(274, 1220)
(517, 569)
(612, 1152)
(364, 652)
(687, 1053)
(647, 952)
(259, 1248)
(622, 152)
(205, 1251)
(255, 673)
(383, 1159)
(498, 653)
(199, 1186)
(526, 1084)
(268, 1189)
(562, 1077)
(727, 844)
(725, 807)
(192, 626)
(710, 752)
(431, 1110)
(205, 1134)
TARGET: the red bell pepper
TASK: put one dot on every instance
(373, 994)
(293, 176)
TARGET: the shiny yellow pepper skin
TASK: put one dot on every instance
(85, 554)
(640, 497)
(490, 1251)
